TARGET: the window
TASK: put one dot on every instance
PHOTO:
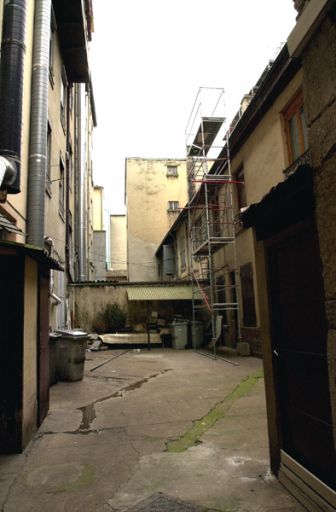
(241, 192)
(61, 189)
(296, 128)
(172, 170)
(173, 206)
(48, 171)
(63, 99)
(247, 291)
(52, 46)
(70, 166)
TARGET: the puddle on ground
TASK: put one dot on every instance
(89, 412)
(88, 415)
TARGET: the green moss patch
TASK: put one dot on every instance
(192, 436)
(86, 477)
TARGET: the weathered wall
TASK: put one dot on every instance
(148, 190)
(29, 423)
(99, 255)
(98, 208)
(16, 204)
(263, 156)
(118, 242)
(319, 64)
(88, 300)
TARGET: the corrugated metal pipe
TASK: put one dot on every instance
(13, 52)
(38, 124)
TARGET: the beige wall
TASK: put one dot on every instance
(264, 154)
(148, 190)
(118, 241)
(16, 203)
(30, 350)
(87, 301)
(98, 208)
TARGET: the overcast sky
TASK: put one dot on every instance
(148, 60)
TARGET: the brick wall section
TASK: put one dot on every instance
(319, 87)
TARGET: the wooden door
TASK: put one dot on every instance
(43, 347)
(299, 346)
(11, 350)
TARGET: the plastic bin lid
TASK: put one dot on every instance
(71, 333)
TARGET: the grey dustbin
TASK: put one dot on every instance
(53, 339)
(70, 355)
(179, 335)
(197, 333)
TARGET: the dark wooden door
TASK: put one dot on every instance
(11, 353)
(299, 346)
(43, 347)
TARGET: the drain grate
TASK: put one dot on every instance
(160, 502)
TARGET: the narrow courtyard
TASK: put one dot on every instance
(160, 430)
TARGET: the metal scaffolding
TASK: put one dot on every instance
(211, 217)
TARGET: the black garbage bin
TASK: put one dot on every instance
(70, 355)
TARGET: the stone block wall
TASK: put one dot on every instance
(319, 88)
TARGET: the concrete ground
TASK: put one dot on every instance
(163, 430)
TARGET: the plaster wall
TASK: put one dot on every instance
(29, 423)
(118, 242)
(98, 221)
(148, 191)
(265, 150)
(16, 204)
(54, 220)
(99, 255)
(88, 300)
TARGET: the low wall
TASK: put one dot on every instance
(89, 298)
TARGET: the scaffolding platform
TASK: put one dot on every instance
(211, 221)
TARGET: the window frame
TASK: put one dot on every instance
(48, 163)
(61, 188)
(52, 38)
(173, 206)
(294, 110)
(172, 173)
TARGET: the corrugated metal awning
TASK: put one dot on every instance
(37, 253)
(8, 225)
(160, 293)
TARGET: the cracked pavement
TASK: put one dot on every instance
(104, 445)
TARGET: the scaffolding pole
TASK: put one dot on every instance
(211, 221)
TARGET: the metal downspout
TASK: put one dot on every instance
(13, 52)
(67, 188)
(38, 124)
(80, 186)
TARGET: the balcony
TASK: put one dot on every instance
(73, 33)
(304, 159)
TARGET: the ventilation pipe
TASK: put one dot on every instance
(13, 52)
(38, 124)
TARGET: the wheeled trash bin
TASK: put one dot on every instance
(197, 334)
(70, 355)
(179, 335)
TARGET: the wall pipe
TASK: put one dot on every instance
(13, 52)
(81, 205)
(38, 124)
